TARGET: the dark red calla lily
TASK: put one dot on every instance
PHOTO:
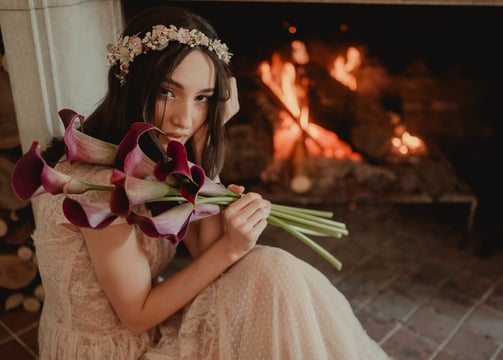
(87, 215)
(32, 176)
(177, 163)
(130, 157)
(189, 188)
(25, 180)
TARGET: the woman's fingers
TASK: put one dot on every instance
(249, 210)
(238, 189)
(245, 219)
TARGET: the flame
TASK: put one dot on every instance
(318, 140)
(291, 89)
(289, 83)
(280, 77)
(402, 141)
(304, 118)
(300, 55)
(344, 66)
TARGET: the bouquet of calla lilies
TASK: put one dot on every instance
(177, 189)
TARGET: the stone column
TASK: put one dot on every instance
(56, 54)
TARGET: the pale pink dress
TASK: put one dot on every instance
(269, 305)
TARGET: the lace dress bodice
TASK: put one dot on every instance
(77, 320)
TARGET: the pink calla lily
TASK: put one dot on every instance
(87, 215)
(138, 164)
(130, 157)
(81, 147)
(212, 189)
(56, 182)
(173, 223)
(32, 176)
(130, 191)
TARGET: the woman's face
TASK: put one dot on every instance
(182, 104)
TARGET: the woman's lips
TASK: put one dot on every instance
(165, 139)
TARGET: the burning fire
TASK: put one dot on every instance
(344, 66)
(403, 142)
(291, 89)
(317, 140)
(296, 137)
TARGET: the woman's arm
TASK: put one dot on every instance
(123, 270)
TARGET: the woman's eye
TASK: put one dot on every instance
(202, 98)
(166, 92)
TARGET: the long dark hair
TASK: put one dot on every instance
(135, 100)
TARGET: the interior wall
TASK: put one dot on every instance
(56, 55)
(56, 51)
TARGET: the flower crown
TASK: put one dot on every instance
(129, 47)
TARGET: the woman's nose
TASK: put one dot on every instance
(182, 117)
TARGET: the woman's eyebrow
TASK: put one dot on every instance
(173, 83)
(180, 86)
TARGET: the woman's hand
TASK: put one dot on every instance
(244, 220)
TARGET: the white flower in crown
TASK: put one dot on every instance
(221, 50)
(131, 46)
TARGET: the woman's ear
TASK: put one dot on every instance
(231, 107)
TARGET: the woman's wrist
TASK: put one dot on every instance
(229, 254)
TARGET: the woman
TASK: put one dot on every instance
(235, 300)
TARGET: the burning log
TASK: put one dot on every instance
(281, 99)
(296, 138)
(301, 181)
(284, 107)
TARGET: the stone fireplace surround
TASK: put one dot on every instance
(55, 52)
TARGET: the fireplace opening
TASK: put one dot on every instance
(415, 110)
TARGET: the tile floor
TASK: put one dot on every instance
(416, 290)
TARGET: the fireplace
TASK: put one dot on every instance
(427, 71)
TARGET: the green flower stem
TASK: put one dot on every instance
(312, 232)
(316, 225)
(318, 216)
(302, 217)
(296, 210)
(100, 187)
(219, 200)
(296, 221)
(306, 240)
(169, 198)
(293, 215)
